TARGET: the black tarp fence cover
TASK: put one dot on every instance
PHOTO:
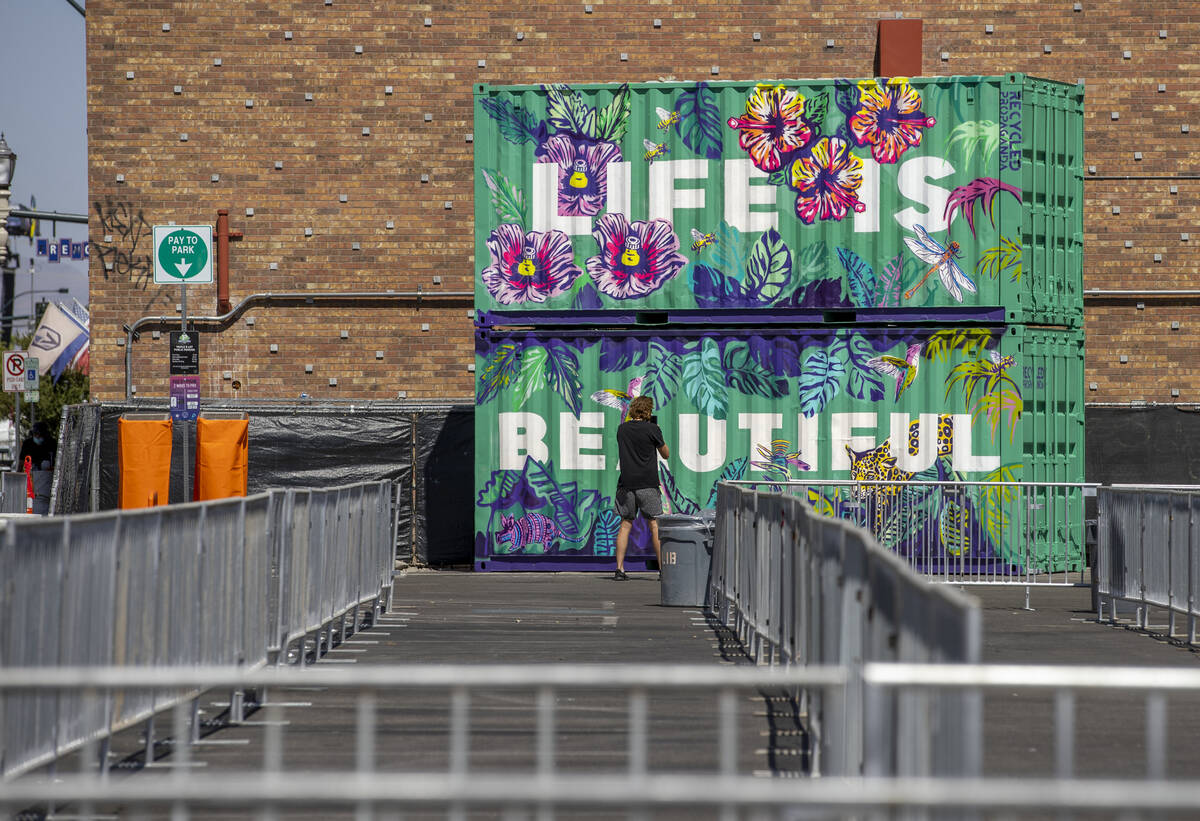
(428, 449)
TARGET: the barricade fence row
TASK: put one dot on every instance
(234, 582)
(1148, 555)
(801, 588)
(1021, 533)
(375, 782)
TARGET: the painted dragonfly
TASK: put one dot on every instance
(930, 251)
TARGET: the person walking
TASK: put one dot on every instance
(639, 443)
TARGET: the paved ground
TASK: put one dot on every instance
(1062, 629)
(575, 618)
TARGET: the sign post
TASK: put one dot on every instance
(14, 382)
(183, 254)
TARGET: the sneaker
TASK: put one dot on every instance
(620, 575)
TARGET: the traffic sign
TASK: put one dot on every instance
(32, 373)
(182, 254)
(14, 371)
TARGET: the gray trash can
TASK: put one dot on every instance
(687, 544)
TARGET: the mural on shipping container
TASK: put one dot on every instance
(879, 194)
(865, 404)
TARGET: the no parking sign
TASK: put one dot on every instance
(14, 371)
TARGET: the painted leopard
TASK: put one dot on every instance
(878, 464)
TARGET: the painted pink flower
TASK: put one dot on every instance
(826, 180)
(635, 259)
(773, 126)
(888, 118)
(582, 172)
(528, 267)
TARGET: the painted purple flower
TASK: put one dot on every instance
(528, 267)
(634, 260)
(582, 172)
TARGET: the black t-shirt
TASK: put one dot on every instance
(637, 446)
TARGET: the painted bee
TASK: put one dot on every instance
(702, 240)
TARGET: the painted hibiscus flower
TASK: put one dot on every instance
(528, 267)
(889, 119)
(827, 181)
(582, 172)
(634, 260)
(772, 126)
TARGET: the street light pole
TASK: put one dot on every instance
(8, 164)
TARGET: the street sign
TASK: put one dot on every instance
(52, 252)
(41, 247)
(32, 374)
(64, 248)
(14, 371)
(182, 254)
(185, 398)
(185, 352)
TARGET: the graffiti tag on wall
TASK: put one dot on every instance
(125, 249)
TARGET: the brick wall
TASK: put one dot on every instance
(248, 113)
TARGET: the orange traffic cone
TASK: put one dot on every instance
(29, 494)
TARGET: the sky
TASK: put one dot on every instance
(43, 114)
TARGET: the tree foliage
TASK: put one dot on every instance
(73, 388)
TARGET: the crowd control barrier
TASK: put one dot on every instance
(1148, 554)
(231, 583)
(802, 588)
(466, 765)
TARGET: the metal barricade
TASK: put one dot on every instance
(801, 588)
(1148, 554)
(995, 533)
(174, 586)
(12, 492)
(447, 778)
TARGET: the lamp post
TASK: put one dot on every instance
(8, 163)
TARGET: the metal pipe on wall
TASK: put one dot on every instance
(307, 298)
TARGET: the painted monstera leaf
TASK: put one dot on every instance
(704, 380)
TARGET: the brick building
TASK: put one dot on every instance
(338, 136)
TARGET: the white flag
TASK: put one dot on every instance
(57, 333)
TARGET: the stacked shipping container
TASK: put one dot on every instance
(813, 279)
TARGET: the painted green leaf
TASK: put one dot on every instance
(700, 123)
(733, 472)
(815, 109)
(663, 372)
(769, 267)
(516, 124)
(860, 276)
(680, 501)
(566, 111)
(532, 377)
(562, 376)
(819, 382)
(812, 262)
(507, 199)
(613, 120)
(541, 479)
(863, 382)
(503, 365)
(704, 380)
(729, 254)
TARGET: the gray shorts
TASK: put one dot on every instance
(646, 499)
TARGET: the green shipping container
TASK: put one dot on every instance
(875, 199)
(975, 403)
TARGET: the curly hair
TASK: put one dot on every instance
(642, 407)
